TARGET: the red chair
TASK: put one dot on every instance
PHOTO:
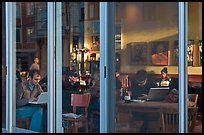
(78, 100)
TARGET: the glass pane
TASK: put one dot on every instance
(81, 57)
(3, 68)
(31, 65)
(195, 67)
(146, 66)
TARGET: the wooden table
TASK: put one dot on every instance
(149, 108)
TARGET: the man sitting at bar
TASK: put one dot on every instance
(140, 87)
(29, 91)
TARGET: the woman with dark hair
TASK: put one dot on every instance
(164, 74)
(165, 79)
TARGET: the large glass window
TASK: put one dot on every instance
(194, 56)
(146, 63)
(147, 74)
(31, 71)
(80, 64)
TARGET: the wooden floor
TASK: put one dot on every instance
(128, 128)
(198, 127)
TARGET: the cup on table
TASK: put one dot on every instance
(127, 98)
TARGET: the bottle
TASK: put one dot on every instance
(125, 94)
(121, 93)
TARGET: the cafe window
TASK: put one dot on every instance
(146, 48)
(133, 35)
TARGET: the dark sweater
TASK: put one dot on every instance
(138, 90)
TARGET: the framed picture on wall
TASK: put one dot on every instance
(159, 52)
(138, 53)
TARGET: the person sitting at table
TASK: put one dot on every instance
(73, 80)
(165, 79)
(29, 91)
(140, 87)
(95, 89)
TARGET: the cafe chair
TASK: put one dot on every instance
(82, 101)
(192, 115)
(169, 120)
(192, 100)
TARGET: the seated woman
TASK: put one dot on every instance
(165, 79)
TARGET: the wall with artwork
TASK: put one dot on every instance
(142, 35)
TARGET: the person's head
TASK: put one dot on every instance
(34, 76)
(141, 77)
(73, 76)
(164, 72)
(36, 60)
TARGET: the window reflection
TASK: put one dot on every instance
(81, 56)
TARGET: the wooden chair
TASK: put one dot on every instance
(78, 100)
(192, 100)
(169, 120)
(192, 115)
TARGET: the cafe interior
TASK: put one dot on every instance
(146, 38)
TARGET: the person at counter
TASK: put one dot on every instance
(140, 88)
(29, 91)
